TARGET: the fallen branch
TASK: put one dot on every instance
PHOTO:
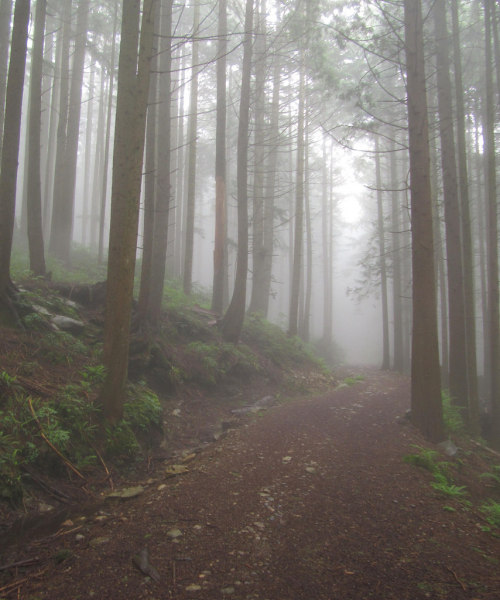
(60, 496)
(67, 462)
(457, 579)
(21, 563)
(10, 587)
(483, 447)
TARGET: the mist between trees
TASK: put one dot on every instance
(329, 165)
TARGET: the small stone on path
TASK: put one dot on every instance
(174, 533)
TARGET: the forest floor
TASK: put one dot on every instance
(308, 499)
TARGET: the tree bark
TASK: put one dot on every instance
(456, 308)
(87, 178)
(62, 124)
(425, 376)
(271, 176)
(34, 205)
(98, 160)
(63, 212)
(493, 317)
(104, 188)
(467, 246)
(162, 203)
(299, 211)
(327, 337)
(133, 85)
(192, 141)
(397, 288)
(386, 360)
(305, 327)
(150, 177)
(10, 148)
(220, 164)
(5, 18)
(257, 303)
(232, 322)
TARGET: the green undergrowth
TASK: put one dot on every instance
(353, 380)
(68, 429)
(447, 475)
(275, 345)
(50, 379)
(452, 415)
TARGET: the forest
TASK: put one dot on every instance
(206, 206)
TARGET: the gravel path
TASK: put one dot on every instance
(309, 500)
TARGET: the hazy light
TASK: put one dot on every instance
(350, 207)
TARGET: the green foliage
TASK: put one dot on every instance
(10, 460)
(120, 440)
(6, 379)
(72, 422)
(142, 407)
(202, 359)
(492, 511)
(60, 347)
(494, 476)
(208, 363)
(34, 321)
(84, 267)
(8, 383)
(452, 414)
(425, 459)
(276, 345)
(448, 489)
(353, 380)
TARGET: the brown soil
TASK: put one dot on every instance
(308, 500)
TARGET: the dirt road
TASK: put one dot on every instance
(309, 500)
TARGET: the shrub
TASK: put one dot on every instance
(276, 345)
(492, 511)
(452, 414)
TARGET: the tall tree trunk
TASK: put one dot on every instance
(327, 338)
(150, 177)
(10, 148)
(180, 176)
(104, 189)
(386, 360)
(492, 230)
(299, 210)
(64, 200)
(98, 161)
(439, 265)
(35, 230)
(397, 288)
(62, 124)
(87, 178)
(5, 18)
(258, 252)
(467, 247)
(48, 76)
(192, 141)
(52, 139)
(162, 196)
(306, 318)
(456, 308)
(220, 164)
(271, 177)
(133, 85)
(232, 322)
(425, 376)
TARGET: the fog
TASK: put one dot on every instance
(327, 161)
